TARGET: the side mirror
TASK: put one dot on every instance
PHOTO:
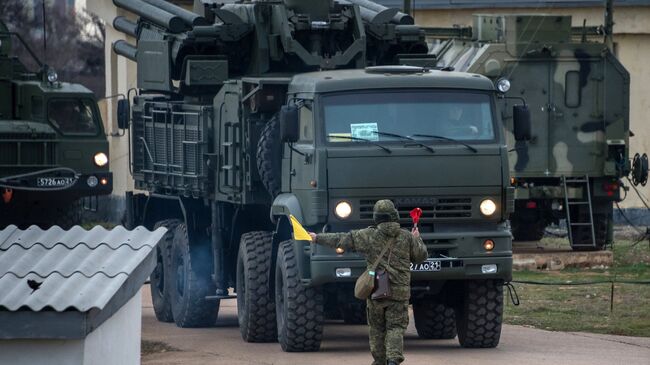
(522, 124)
(289, 123)
(123, 114)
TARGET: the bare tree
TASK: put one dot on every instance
(75, 40)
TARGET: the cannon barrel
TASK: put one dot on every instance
(399, 18)
(158, 16)
(190, 18)
(382, 17)
(123, 48)
(125, 26)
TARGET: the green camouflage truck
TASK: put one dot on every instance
(253, 112)
(53, 150)
(578, 93)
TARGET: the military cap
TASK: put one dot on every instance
(385, 211)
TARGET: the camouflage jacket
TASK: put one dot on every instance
(370, 242)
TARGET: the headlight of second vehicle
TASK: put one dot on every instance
(100, 159)
(343, 209)
(488, 207)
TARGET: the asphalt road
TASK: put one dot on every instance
(344, 344)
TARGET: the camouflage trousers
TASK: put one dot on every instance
(388, 320)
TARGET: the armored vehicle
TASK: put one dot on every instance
(578, 92)
(252, 113)
(53, 150)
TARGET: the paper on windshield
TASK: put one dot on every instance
(365, 131)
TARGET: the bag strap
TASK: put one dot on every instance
(383, 252)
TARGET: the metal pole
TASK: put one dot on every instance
(408, 9)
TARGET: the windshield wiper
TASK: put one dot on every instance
(447, 139)
(405, 138)
(363, 140)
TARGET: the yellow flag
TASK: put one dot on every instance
(299, 233)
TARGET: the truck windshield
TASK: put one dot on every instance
(72, 116)
(374, 115)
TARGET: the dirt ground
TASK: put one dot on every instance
(165, 343)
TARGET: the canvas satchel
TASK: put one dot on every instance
(365, 284)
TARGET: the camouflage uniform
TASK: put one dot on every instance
(388, 318)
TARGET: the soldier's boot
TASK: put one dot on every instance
(391, 362)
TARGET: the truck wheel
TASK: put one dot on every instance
(355, 313)
(299, 309)
(160, 283)
(255, 302)
(67, 215)
(527, 231)
(479, 316)
(581, 235)
(434, 320)
(192, 282)
(269, 157)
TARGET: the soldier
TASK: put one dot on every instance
(388, 318)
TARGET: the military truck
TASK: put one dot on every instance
(578, 92)
(53, 150)
(251, 113)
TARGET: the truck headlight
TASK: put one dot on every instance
(343, 209)
(488, 207)
(503, 85)
(100, 159)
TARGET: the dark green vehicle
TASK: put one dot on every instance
(53, 150)
(251, 113)
(575, 164)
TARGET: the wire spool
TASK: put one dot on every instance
(640, 169)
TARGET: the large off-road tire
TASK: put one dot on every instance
(269, 157)
(434, 320)
(581, 235)
(479, 316)
(355, 313)
(299, 309)
(67, 215)
(527, 231)
(192, 282)
(161, 277)
(255, 301)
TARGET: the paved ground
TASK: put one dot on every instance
(344, 344)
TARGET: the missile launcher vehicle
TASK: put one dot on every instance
(250, 113)
(574, 165)
(53, 150)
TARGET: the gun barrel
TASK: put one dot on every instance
(123, 48)
(153, 14)
(190, 18)
(399, 18)
(125, 26)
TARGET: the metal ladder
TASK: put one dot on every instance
(584, 183)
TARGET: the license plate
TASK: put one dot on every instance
(429, 265)
(54, 181)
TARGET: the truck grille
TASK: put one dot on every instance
(432, 208)
(27, 150)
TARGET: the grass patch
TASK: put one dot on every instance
(586, 308)
(155, 347)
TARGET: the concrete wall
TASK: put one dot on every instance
(114, 342)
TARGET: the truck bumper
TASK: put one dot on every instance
(465, 260)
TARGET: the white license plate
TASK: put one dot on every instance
(54, 181)
(429, 265)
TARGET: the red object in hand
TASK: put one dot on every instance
(415, 215)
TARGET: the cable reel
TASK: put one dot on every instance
(640, 169)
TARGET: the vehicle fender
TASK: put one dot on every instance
(284, 205)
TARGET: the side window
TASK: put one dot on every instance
(572, 89)
(306, 124)
(72, 116)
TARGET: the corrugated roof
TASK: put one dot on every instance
(474, 4)
(77, 269)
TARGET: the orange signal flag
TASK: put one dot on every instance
(299, 232)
